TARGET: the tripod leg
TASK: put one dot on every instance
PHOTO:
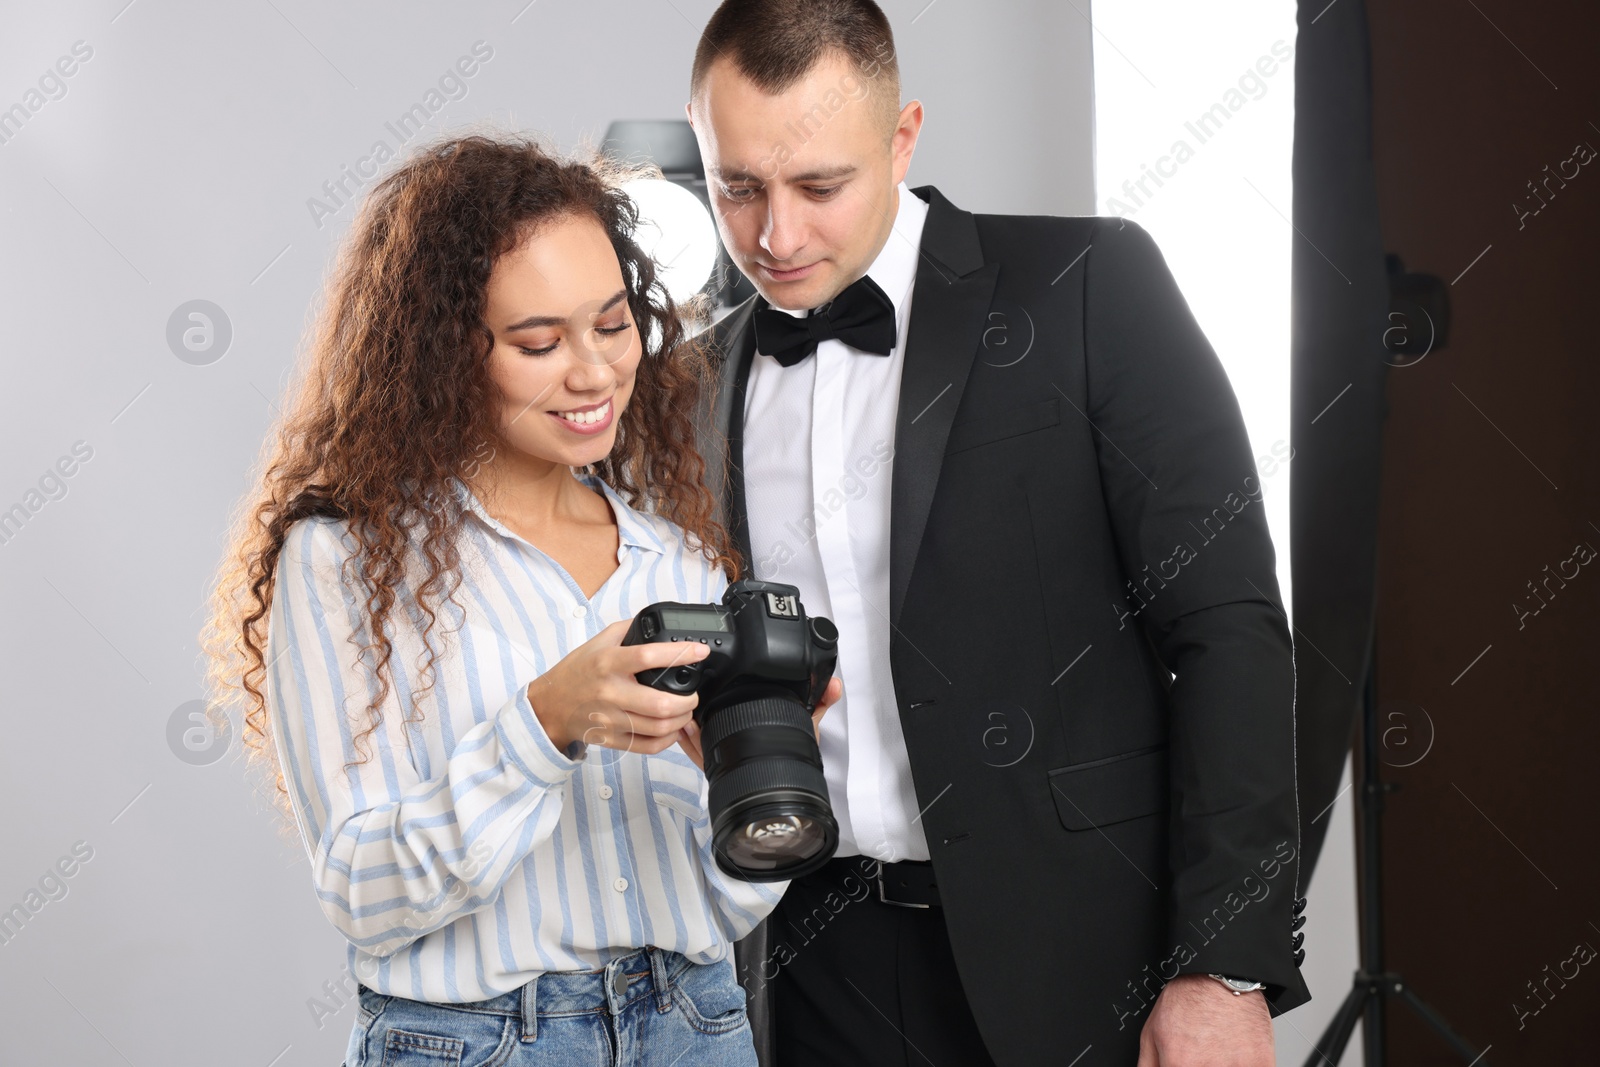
(1327, 1052)
(1373, 1030)
(1430, 1017)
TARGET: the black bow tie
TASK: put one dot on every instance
(862, 317)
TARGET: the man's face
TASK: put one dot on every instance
(802, 182)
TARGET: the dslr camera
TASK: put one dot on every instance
(768, 667)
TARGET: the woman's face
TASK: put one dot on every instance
(566, 346)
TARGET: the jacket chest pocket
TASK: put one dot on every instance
(973, 432)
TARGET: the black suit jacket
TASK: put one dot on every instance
(1089, 650)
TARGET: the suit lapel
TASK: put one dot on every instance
(949, 310)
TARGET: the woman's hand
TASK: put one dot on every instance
(591, 695)
(689, 736)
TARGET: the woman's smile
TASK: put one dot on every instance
(592, 419)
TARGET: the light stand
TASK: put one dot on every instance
(1372, 985)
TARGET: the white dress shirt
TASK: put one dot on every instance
(818, 459)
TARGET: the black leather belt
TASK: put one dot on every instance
(907, 884)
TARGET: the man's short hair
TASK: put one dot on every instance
(775, 43)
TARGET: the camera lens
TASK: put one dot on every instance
(771, 819)
(768, 799)
(769, 842)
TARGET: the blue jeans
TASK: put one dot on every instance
(650, 1008)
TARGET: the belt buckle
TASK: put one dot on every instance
(878, 876)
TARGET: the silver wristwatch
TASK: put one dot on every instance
(1238, 985)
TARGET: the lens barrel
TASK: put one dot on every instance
(773, 820)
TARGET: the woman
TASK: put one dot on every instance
(512, 833)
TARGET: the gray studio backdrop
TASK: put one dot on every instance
(163, 157)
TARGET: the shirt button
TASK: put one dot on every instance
(579, 611)
(605, 792)
(620, 885)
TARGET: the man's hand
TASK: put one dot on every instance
(689, 736)
(1197, 1022)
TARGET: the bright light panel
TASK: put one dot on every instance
(1194, 130)
(676, 231)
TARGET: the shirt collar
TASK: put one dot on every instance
(633, 527)
(895, 269)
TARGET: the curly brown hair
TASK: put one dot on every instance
(396, 400)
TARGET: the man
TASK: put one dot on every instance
(999, 453)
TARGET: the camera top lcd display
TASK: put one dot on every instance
(702, 619)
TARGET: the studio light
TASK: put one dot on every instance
(1194, 139)
(681, 236)
(676, 231)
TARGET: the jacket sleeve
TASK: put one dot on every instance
(393, 855)
(1180, 483)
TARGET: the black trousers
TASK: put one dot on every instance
(864, 982)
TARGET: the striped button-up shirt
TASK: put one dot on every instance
(467, 854)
